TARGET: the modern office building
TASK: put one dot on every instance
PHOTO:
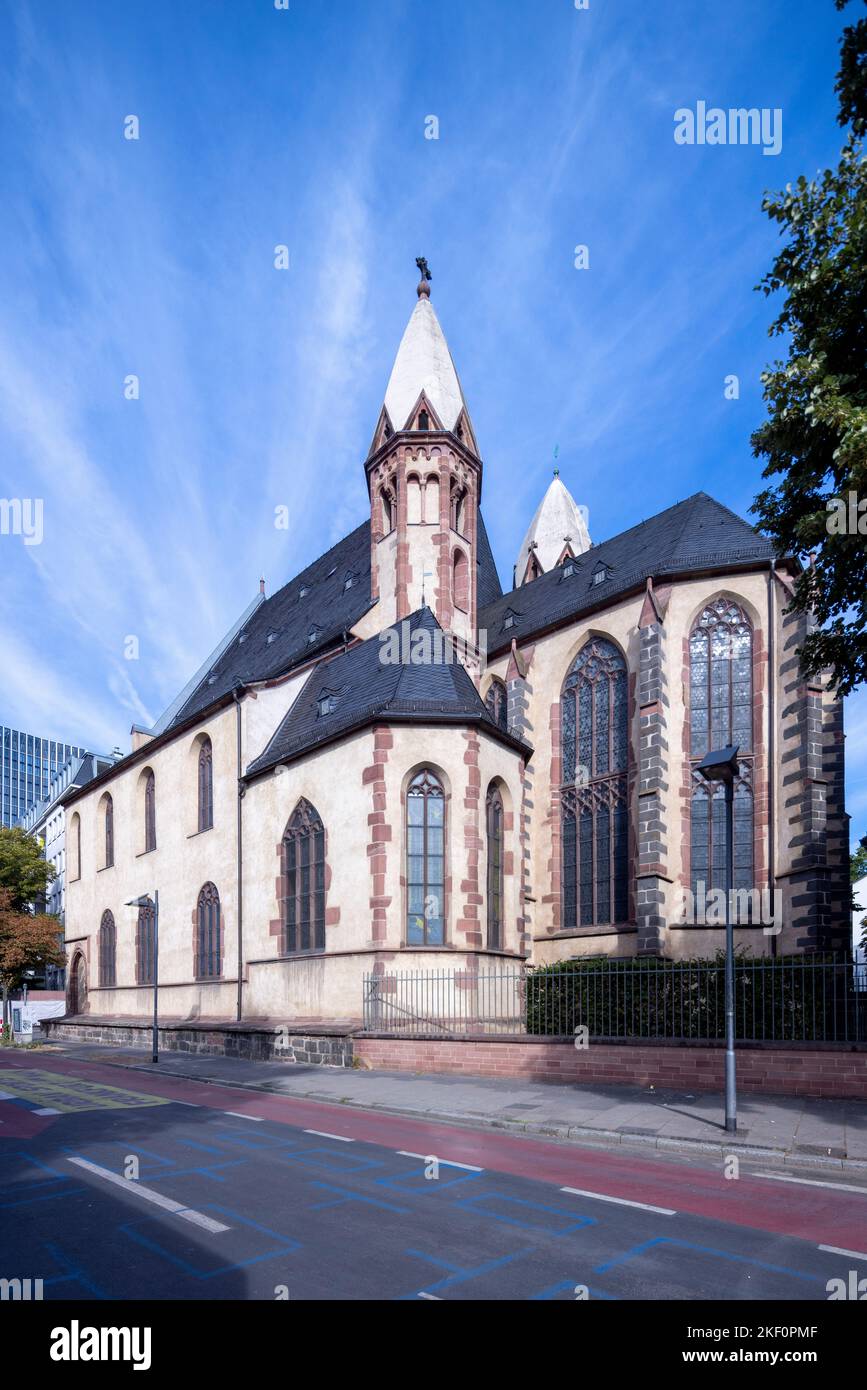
(28, 765)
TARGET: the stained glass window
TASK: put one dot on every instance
(107, 948)
(109, 832)
(150, 813)
(145, 945)
(494, 811)
(209, 953)
(304, 881)
(721, 714)
(594, 713)
(425, 860)
(497, 703)
(206, 785)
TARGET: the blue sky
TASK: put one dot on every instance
(261, 388)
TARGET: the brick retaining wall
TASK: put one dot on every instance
(823, 1070)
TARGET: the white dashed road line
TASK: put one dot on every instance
(197, 1218)
(236, 1115)
(850, 1254)
(814, 1182)
(323, 1134)
(621, 1201)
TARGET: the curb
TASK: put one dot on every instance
(577, 1134)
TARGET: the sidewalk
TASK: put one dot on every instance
(820, 1133)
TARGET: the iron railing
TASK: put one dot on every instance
(792, 999)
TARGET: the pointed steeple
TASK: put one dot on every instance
(424, 476)
(424, 367)
(559, 528)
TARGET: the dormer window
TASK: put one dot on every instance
(272, 637)
(326, 704)
(423, 420)
(347, 583)
(304, 591)
(510, 619)
(312, 635)
(568, 569)
(600, 574)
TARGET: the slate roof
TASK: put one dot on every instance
(488, 588)
(366, 687)
(326, 607)
(288, 616)
(697, 534)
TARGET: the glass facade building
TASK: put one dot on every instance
(28, 764)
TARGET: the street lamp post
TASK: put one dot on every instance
(722, 766)
(154, 902)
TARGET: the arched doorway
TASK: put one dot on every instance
(77, 1000)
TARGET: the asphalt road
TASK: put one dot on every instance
(118, 1185)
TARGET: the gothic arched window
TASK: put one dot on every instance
(497, 703)
(150, 812)
(209, 938)
(145, 943)
(206, 785)
(107, 951)
(304, 881)
(460, 581)
(594, 711)
(494, 820)
(721, 715)
(425, 860)
(109, 832)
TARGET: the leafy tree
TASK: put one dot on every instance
(815, 438)
(28, 941)
(858, 862)
(23, 871)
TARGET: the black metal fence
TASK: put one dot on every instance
(792, 999)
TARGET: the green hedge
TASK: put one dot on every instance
(784, 998)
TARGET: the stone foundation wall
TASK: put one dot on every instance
(253, 1044)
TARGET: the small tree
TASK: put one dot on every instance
(28, 941)
(24, 873)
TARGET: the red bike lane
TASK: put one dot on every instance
(824, 1216)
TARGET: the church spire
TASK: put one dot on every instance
(424, 475)
(424, 367)
(559, 528)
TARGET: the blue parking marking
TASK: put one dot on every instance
(554, 1289)
(638, 1250)
(459, 1275)
(346, 1196)
(571, 1223)
(285, 1245)
(74, 1274)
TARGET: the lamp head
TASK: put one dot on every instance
(721, 765)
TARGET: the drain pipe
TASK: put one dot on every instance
(772, 739)
(237, 692)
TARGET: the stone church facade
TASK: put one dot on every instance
(391, 763)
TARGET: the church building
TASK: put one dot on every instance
(393, 764)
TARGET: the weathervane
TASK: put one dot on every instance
(421, 262)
